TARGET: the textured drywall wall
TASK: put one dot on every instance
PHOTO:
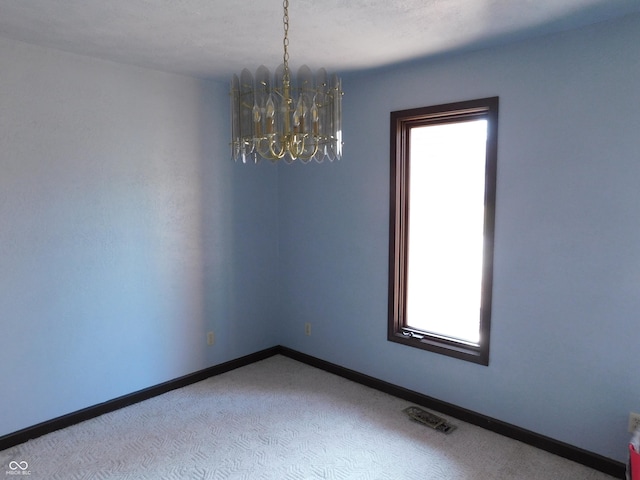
(126, 233)
(565, 335)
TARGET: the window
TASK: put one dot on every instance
(442, 206)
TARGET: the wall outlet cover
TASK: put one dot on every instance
(634, 422)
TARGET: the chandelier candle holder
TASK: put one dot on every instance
(279, 119)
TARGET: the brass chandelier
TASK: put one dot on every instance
(281, 119)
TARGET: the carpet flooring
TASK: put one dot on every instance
(283, 420)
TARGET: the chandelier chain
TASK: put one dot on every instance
(285, 41)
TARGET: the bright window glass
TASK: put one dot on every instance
(446, 218)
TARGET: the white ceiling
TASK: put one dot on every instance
(215, 38)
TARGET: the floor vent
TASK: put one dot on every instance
(429, 419)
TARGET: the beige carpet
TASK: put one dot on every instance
(283, 420)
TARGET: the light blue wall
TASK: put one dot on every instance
(126, 233)
(566, 301)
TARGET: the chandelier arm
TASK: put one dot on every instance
(278, 155)
(311, 155)
(265, 147)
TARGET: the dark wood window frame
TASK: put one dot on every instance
(401, 124)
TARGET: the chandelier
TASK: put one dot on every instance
(279, 119)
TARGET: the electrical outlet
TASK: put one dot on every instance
(210, 338)
(634, 422)
(307, 329)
